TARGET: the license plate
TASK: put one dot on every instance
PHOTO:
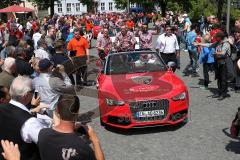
(150, 113)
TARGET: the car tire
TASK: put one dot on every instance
(101, 122)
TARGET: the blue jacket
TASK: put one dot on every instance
(206, 55)
(191, 37)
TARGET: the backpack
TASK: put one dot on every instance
(235, 49)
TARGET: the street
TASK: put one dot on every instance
(204, 137)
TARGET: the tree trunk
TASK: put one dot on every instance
(220, 8)
(163, 4)
(186, 5)
(51, 8)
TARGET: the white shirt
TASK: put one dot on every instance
(29, 26)
(20, 27)
(32, 126)
(46, 92)
(167, 44)
(41, 53)
(36, 37)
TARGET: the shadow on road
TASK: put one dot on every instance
(225, 131)
(233, 146)
(147, 130)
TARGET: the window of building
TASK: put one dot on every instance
(110, 6)
(139, 5)
(77, 7)
(102, 6)
(59, 7)
(69, 7)
(132, 5)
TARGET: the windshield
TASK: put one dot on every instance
(134, 62)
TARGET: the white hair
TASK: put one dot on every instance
(9, 62)
(20, 86)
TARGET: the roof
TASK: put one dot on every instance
(15, 8)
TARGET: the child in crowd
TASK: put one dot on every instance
(206, 58)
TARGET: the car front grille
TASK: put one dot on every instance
(150, 105)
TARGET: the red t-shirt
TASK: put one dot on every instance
(130, 24)
(212, 33)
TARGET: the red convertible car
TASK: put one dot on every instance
(136, 89)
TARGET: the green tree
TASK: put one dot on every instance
(5, 3)
(220, 4)
(121, 4)
(146, 4)
(91, 5)
(45, 4)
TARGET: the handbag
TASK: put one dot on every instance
(235, 126)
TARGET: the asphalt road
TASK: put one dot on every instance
(204, 137)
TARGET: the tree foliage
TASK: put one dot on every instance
(44, 4)
(91, 5)
(5, 3)
(195, 8)
(147, 4)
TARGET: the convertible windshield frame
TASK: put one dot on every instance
(130, 54)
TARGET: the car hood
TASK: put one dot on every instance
(141, 85)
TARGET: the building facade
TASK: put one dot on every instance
(107, 6)
(74, 7)
(69, 7)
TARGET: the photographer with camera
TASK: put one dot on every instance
(64, 141)
(49, 82)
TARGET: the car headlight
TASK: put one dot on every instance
(180, 97)
(111, 102)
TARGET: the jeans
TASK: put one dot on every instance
(192, 66)
(81, 74)
(206, 68)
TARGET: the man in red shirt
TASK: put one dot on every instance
(79, 50)
(130, 24)
(215, 29)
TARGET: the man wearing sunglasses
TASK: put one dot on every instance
(167, 46)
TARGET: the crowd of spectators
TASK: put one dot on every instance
(40, 58)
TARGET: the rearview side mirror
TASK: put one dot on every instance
(171, 66)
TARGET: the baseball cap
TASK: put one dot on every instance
(44, 64)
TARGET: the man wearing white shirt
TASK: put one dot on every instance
(41, 51)
(16, 121)
(29, 25)
(36, 37)
(167, 46)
